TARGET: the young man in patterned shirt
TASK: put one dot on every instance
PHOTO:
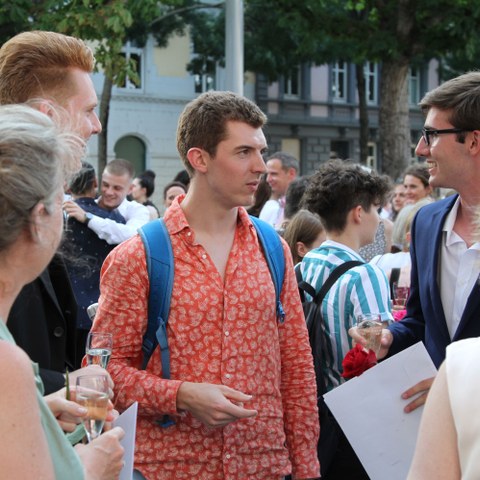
(242, 389)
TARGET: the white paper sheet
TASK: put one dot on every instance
(128, 421)
(369, 409)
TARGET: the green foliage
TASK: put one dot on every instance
(109, 24)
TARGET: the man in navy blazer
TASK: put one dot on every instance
(425, 318)
(444, 303)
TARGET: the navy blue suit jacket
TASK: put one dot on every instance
(425, 319)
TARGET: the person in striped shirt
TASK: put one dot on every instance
(346, 197)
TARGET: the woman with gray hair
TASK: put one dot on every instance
(32, 155)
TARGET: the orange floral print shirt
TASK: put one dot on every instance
(220, 332)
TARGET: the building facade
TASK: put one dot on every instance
(313, 112)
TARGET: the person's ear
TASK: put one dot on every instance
(46, 107)
(302, 249)
(197, 158)
(37, 218)
(474, 142)
(357, 214)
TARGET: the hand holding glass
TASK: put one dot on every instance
(99, 348)
(370, 326)
(92, 393)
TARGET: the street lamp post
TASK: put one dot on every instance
(234, 45)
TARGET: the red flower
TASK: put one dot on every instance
(399, 314)
(357, 360)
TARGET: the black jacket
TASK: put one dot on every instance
(42, 321)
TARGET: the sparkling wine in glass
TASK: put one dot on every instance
(99, 348)
(370, 327)
(400, 295)
(92, 393)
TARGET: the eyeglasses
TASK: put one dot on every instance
(427, 133)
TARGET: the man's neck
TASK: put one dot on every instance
(204, 214)
(466, 221)
(345, 238)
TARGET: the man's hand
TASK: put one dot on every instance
(421, 388)
(385, 342)
(75, 211)
(213, 405)
(91, 370)
(102, 458)
(69, 413)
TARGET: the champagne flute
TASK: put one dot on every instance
(369, 326)
(400, 295)
(99, 348)
(92, 393)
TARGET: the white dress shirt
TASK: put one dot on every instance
(135, 214)
(459, 271)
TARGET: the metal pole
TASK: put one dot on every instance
(234, 45)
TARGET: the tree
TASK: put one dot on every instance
(393, 33)
(396, 34)
(109, 25)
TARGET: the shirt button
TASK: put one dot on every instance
(58, 332)
(204, 256)
(189, 234)
(227, 334)
(227, 456)
(228, 375)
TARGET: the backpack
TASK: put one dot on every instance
(160, 267)
(329, 431)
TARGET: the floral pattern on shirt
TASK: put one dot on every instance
(221, 332)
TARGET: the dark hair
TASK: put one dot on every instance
(304, 227)
(183, 177)
(261, 196)
(460, 97)
(294, 195)
(418, 171)
(82, 181)
(168, 186)
(337, 187)
(203, 122)
(147, 181)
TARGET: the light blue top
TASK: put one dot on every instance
(362, 289)
(64, 458)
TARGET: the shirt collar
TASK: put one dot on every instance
(342, 246)
(177, 221)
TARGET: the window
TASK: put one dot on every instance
(339, 82)
(204, 75)
(371, 82)
(133, 54)
(372, 155)
(414, 86)
(292, 82)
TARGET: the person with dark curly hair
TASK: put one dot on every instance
(346, 197)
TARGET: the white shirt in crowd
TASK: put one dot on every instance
(135, 214)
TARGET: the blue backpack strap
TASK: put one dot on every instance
(160, 267)
(159, 258)
(273, 251)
